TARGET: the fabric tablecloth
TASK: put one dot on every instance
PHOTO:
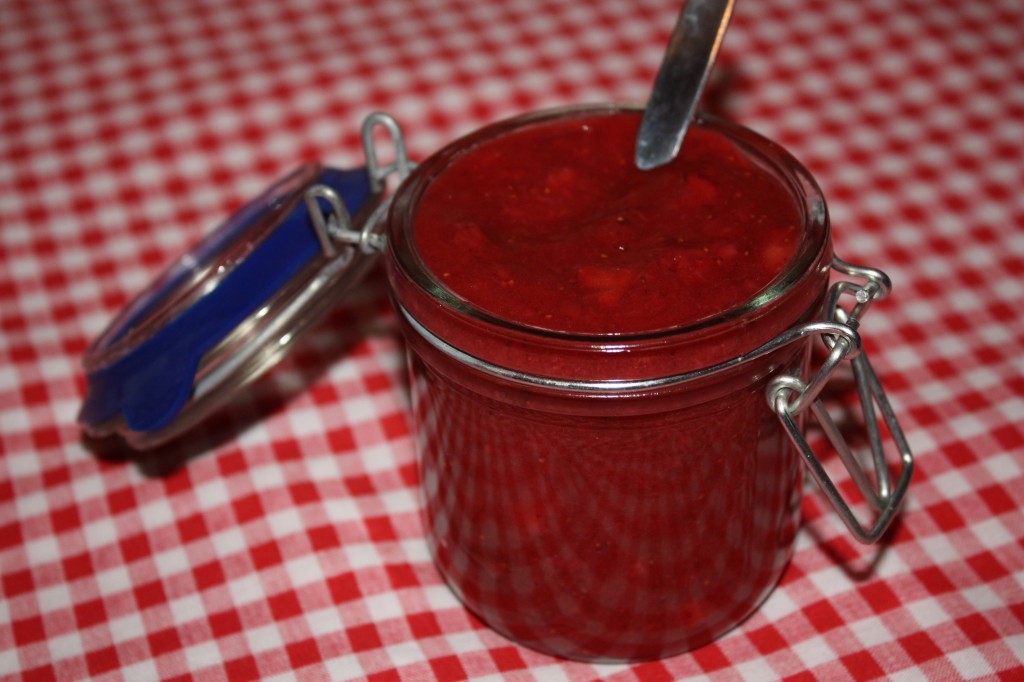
(281, 539)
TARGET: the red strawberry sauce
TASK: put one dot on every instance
(555, 227)
(605, 524)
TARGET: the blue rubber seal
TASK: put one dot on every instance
(151, 383)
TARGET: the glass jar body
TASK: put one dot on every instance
(606, 498)
(629, 528)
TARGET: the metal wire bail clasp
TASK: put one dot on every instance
(337, 226)
(401, 166)
(790, 396)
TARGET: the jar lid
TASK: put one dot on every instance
(234, 304)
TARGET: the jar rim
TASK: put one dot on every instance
(798, 181)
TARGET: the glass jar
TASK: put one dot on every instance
(610, 497)
(613, 495)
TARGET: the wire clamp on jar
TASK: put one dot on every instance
(790, 397)
(337, 226)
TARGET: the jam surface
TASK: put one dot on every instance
(554, 227)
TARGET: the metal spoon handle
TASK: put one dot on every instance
(684, 70)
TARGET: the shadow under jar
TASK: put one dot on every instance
(590, 347)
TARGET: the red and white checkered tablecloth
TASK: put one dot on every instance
(281, 540)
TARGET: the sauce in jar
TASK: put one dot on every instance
(555, 227)
(594, 486)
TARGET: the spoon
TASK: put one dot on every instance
(688, 59)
